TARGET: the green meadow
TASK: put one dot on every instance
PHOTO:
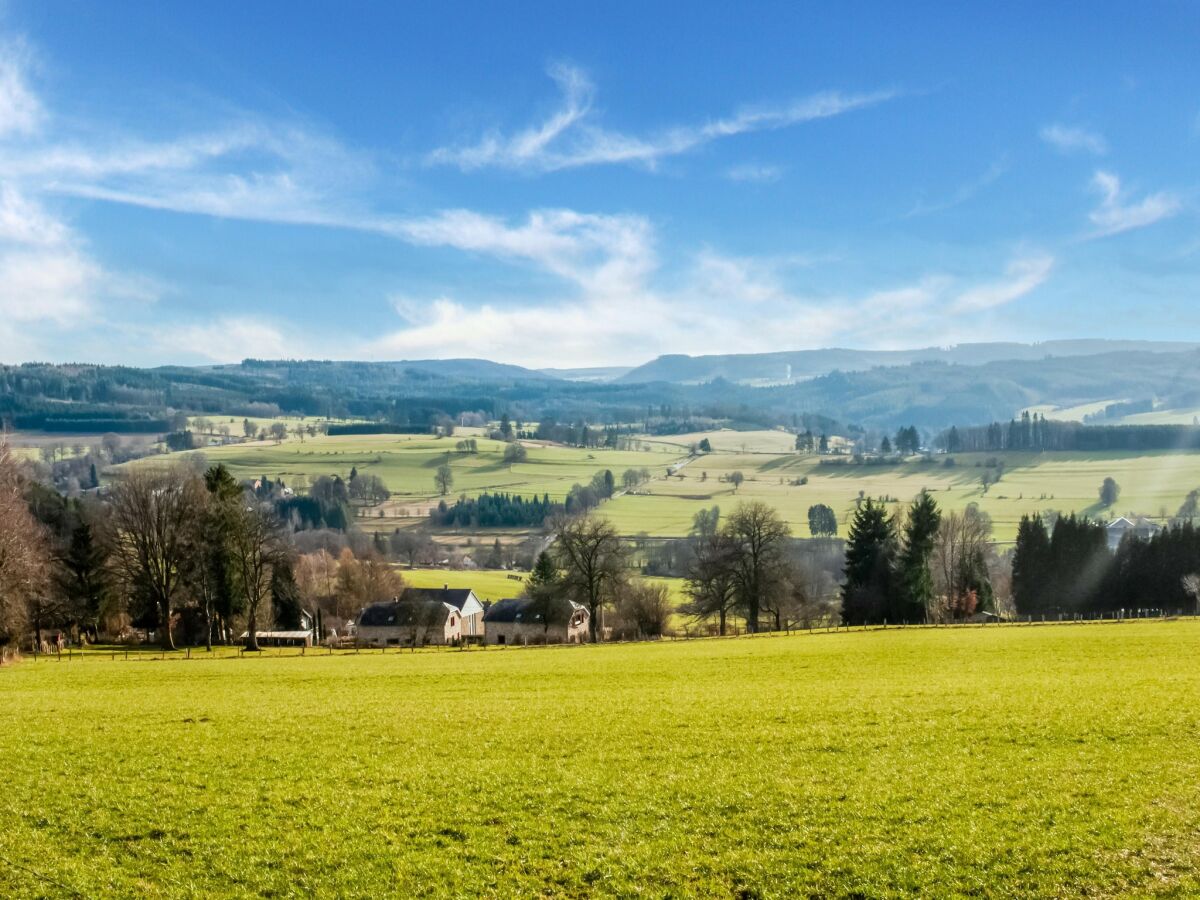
(488, 584)
(407, 463)
(1152, 483)
(1043, 761)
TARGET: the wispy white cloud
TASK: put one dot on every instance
(568, 139)
(45, 275)
(1022, 276)
(21, 111)
(756, 173)
(1117, 213)
(1069, 139)
(226, 339)
(964, 194)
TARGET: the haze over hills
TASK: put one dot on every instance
(780, 367)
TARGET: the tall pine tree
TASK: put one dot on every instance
(870, 557)
(914, 594)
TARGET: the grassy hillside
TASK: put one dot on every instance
(1008, 761)
(488, 584)
(1152, 483)
(407, 463)
(1067, 482)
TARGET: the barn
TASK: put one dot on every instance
(462, 599)
(524, 621)
(409, 622)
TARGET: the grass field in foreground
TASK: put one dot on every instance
(1032, 761)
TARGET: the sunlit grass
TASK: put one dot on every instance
(1013, 761)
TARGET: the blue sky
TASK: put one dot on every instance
(572, 185)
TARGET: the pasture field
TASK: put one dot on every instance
(488, 584)
(1151, 483)
(1042, 761)
(407, 463)
(493, 584)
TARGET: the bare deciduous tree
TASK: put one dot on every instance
(643, 609)
(256, 547)
(760, 536)
(152, 510)
(23, 555)
(592, 559)
(712, 582)
(960, 560)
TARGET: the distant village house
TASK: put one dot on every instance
(521, 621)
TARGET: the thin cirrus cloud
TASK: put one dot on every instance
(963, 194)
(1022, 276)
(1117, 212)
(755, 173)
(569, 139)
(1071, 139)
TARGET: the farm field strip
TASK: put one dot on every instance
(1043, 762)
(1153, 484)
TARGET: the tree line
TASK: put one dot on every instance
(1065, 566)
(1037, 433)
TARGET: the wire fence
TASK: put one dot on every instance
(148, 653)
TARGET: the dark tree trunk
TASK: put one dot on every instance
(168, 639)
(252, 631)
(721, 630)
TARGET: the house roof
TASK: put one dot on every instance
(456, 597)
(405, 613)
(521, 611)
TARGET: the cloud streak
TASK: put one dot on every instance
(569, 139)
(1068, 139)
(1117, 212)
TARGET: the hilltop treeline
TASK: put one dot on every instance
(1038, 433)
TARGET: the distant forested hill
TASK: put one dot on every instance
(930, 394)
(803, 364)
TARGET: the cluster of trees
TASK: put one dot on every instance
(748, 566)
(907, 441)
(923, 565)
(1037, 433)
(807, 442)
(589, 563)
(583, 497)
(1068, 568)
(495, 510)
(191, 554)
(822, 521)
(581, 434)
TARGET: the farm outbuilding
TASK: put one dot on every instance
(523, 621)
(462, 599)
(281, 638)
(409, 622)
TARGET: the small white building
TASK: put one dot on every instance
(408, 623)
(523, 621)
(462, 599)
(1141, 528)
